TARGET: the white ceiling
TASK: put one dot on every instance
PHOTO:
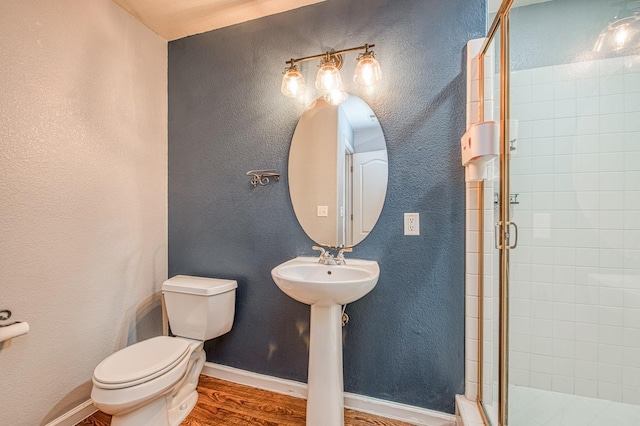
(173, 19)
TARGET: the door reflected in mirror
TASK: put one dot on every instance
(338, 171)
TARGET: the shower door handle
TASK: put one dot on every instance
(497, 227)
(508, 235)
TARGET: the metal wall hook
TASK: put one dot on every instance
(5, 314)
(262, 176)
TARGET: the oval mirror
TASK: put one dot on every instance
(338, 171)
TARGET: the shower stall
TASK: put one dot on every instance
(553, 251)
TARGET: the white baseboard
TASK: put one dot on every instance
(365, 404)
(255, 380)
(74, 416)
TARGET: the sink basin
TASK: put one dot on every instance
(307, 281)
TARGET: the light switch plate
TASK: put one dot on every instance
(412, 224)
(323, 211)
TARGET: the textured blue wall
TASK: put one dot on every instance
(405, 341)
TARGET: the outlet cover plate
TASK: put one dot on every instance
(412, 224)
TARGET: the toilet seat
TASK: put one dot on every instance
(141, 362)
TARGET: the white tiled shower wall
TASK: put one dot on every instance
(575, 276)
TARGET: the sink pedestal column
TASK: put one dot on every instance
(325, 399)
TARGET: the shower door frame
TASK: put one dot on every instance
(504, 225)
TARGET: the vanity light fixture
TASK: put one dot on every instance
(622, 34)
(328, 80)
(293, 84)
(368, 72)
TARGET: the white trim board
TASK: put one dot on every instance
(365, 404)
(468, 411)
(75, 415)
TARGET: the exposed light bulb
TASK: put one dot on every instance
(328, 78)
(621, 36)
(368, 72)
(293, 84)
(336, 97)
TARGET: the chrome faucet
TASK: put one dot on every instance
(327, 258)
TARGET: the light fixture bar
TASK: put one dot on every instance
(325, 54)
(328, 80)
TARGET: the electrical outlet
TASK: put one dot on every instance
(323, 211)
(412, 224)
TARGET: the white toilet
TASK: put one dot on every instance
(153, 382)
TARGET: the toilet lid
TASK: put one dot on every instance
(141, 361)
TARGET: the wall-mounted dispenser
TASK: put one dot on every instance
(479, 144)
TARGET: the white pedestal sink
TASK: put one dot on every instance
(325, 288)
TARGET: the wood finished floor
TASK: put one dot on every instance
(223, 403)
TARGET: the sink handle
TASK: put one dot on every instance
(345, 250)
(340, 258)
(326, 258)
(321, 249)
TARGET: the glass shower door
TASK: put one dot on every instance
(490, 274)
(574, 280)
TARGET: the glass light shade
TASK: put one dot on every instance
(328, 78)
(293, 84)
(619, 35)
(336, 97)
(368, 72)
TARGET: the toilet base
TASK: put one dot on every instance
(154, 413)
(180, 412)
(172, 408)
(158, 413)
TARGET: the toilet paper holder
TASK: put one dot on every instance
(10, 330)
(5, 314)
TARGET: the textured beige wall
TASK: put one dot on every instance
(83, 193)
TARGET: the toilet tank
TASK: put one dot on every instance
(199, 308)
